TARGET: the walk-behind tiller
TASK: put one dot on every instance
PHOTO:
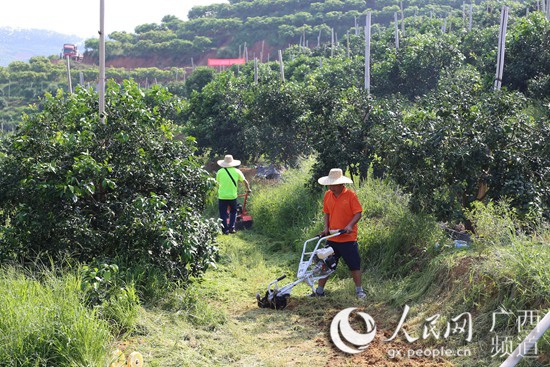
(244, 220)
(314, 265)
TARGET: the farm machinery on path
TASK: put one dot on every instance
(315, 263)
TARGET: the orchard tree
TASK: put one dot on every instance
(527, 52)
(124, 188)
(464, 144)
(415, 69)
(278, 113)
(200, 77)
(217, 116)
(340, 118)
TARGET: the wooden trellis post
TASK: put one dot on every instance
(332, 42)
(255, 71)
(262, 52)
(347, 42)
(69, 75)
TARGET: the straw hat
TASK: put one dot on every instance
(228, 161)
(335, 177)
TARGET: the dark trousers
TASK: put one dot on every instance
(225, 206)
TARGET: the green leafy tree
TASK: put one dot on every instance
(217, 117)
(340, 117)
(40, 64)
(414, 70)
(157, 36)
(209, 27)
(200, 77)
(122, 37)
(462, 144)
(527, 52)
(18, 66)
(480, 50)
(279, 115)
(172, 22)
(341, 128)
(125, 188)
(201, 44)
(144, 28)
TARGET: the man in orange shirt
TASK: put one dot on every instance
(342, 211)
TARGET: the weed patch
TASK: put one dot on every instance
(45, 322)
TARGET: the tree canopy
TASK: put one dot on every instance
(126, 188)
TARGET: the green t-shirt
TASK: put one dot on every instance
(227, 190)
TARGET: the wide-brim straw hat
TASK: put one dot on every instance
(228, 161)
(335, 177)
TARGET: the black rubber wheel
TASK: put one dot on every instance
(241, 224)
(280, 302)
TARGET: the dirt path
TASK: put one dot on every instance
(300, 334)
(296, 336)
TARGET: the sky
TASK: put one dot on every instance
(81, 17)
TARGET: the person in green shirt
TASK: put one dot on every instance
(228, 177)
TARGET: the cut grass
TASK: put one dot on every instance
(250, 336)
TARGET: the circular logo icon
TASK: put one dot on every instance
(347, 339)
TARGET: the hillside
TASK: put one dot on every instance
(257, 28)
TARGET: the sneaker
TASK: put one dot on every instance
(361, 295)
(232, 230)
(315, 294)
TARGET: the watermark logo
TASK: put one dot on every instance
(345, 338)
(436, 327)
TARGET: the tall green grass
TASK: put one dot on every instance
(515, 256)
(392, 238)
(287, 211)
(44, 323)
(194, 305)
